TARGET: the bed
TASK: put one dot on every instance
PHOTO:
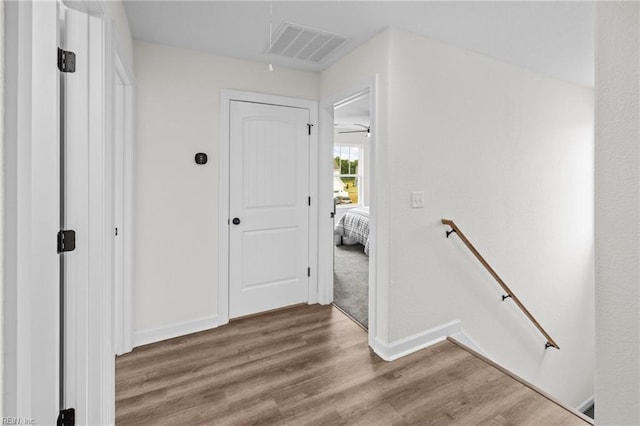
(353, 227)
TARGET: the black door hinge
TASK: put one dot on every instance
(308, 272)
(309, 126)
(67, 417)
(66, 61)
(66, 241)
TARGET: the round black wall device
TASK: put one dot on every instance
(201, 158)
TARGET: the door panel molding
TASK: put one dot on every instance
(226, 97)
(269, 188)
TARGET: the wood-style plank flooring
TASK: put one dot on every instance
(312, 365)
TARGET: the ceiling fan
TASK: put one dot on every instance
(365, 129)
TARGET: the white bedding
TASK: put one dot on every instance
(355, 226)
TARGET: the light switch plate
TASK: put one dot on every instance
(417, 200)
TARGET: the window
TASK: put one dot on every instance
(347, 171)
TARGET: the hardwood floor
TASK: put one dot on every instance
(312, 365)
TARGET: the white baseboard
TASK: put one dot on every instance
(152, 335)
(411, 344)
(586, 404)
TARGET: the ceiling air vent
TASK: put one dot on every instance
(305, 43)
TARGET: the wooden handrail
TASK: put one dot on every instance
(505, 287)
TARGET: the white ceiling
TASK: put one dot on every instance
(554, 38)
(353, 115)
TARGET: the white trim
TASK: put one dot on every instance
(223, 209)
(416, 342)
(116, 172)
(585, 405)
(314, 178)
(121, 65)
(152, 335)
(99, 346)
(129, 213)
(424, 339)
(123, 303)
(17, 52)
(226, 96)
(2, 204)
(325, 205)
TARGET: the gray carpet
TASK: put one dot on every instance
(351, 282)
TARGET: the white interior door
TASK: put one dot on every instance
(75, 187)
(269, 207)
(87, 334)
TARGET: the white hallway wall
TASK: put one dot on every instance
(617, 213)
(508, 154)
(178, 95)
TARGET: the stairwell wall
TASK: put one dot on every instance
(508, 154)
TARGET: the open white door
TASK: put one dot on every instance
(87, 335)
(74, 161)
(269, 207)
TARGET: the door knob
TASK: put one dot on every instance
(236, 221)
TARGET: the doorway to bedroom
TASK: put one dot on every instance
(351, 198)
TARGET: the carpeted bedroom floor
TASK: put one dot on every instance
(351, 282)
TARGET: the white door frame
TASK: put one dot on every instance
(123, 290)
(31, 222)
(325, 238)
(226, 96)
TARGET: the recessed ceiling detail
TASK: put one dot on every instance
(305, 43)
